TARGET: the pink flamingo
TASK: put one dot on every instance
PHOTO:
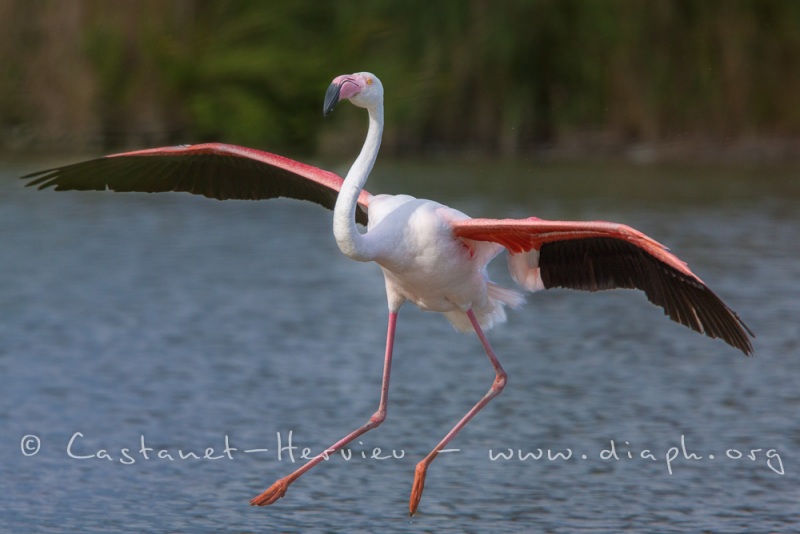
(430, 254)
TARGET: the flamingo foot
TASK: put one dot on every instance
(272, 493)
(417, 487)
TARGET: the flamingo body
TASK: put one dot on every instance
(431, 255)
(423, 262)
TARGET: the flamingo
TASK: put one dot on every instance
(431, 255)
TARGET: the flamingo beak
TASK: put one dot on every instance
(331, 98)
(343, 87)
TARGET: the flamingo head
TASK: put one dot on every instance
(363, 89)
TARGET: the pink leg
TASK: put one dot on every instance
(497, 386)
(278, 489)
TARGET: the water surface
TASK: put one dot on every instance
(178, 322)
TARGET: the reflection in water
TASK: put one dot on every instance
(185, 322)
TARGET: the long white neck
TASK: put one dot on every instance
(351, 242)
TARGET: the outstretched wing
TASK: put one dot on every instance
(213, 170)
(596, 255)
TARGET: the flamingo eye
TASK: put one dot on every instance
(369, 81)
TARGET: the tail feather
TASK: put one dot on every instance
(492, 313)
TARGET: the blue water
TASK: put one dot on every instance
(180, 322)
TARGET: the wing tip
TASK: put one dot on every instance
(42, 179)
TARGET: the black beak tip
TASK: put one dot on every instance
(331, 99)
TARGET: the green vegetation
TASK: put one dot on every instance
(502, 77)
